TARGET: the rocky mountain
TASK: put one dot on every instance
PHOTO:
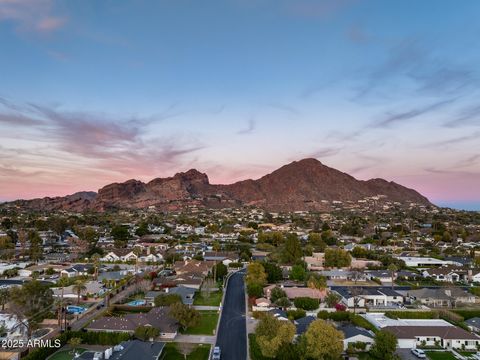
(301, 185)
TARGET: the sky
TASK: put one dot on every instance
(94, 92)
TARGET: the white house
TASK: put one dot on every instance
(416, 261)
(119, 255)
(77, 270)
(353, 334)
(446, 337)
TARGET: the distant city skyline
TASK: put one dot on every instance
(98, 92)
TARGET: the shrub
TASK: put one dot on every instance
(296, 314)
(255, 290)
(339, 316)
(324, 315)
(306, 303)
(411, 314)
(467, 314)
(450, 316)
(235, 265)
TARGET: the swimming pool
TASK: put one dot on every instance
(137, 303)
(72, 309)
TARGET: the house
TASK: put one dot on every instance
(380, 321)
(158, 317)
(226, 257)
(353, 334)
(440, 296)
(447, 273)
(153, 258)
(263, 302)
(187, 294)
(340, 274)
(369, 296)
(114, 275)
(384, 276)
(473, 324)
(447, 337)
(415, 261)
(95, 288)
(201, 268)
(259, 255)
(296, 292)
(123, 255)
(77, 270)
(453, 274)
(279, 314)
(135, 350)
(189, 280)
(315, 262)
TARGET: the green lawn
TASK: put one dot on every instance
(171, 352)
(440, 355)
(213, 300)
(65, 354)
(206, 326)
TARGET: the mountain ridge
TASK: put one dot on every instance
(305, 184)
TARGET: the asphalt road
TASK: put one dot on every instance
(232, 332)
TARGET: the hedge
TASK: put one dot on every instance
(412, 314)
(355, 319)
(306, 303)
(467, 314)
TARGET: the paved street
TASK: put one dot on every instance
(232, 337)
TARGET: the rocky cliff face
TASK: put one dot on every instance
(302, 185)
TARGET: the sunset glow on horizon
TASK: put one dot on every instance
(98, 92)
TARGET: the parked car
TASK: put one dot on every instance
(419, 353)
(216, 353)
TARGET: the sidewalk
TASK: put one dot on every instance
(195, 339)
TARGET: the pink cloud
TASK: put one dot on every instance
(50, 23)
(31, 15)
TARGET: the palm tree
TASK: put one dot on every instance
(62, 282)
(316, 282)
(4, 297)
(79, 288)
(96, 263)
(392, 268)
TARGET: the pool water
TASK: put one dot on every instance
(137, 303)
(75, 309)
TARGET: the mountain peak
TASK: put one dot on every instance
(305, 184)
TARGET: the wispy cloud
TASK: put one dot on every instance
(251, 125)
(32, 15)
(411, 60)
(411, 114)
(77, 143)
(454, 140)
(468, 116)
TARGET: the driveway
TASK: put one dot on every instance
(232, 332)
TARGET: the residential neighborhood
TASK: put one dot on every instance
(176, 279)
